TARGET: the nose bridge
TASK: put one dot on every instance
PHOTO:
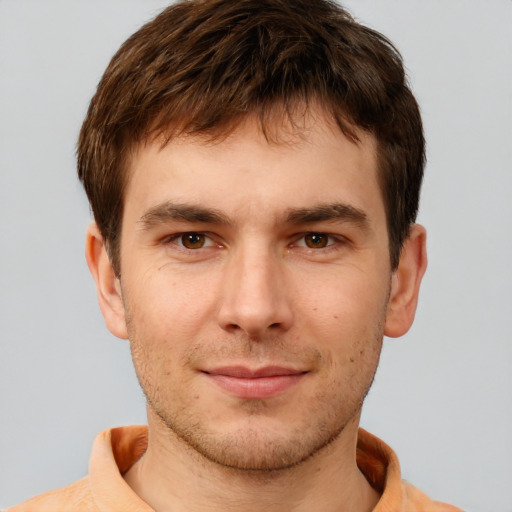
(254, 293)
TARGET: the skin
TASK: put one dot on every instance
(288, 267)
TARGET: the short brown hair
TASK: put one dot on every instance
(201, 66)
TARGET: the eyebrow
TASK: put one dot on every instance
(168, 211)
(328, 212)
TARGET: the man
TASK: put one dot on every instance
(254, 169)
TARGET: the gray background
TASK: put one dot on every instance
(442, 396)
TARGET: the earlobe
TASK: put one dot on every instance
(405, 284)
(107, 284)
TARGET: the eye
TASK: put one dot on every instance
(192, 240)
(316, 240)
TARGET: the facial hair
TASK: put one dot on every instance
(263, 442)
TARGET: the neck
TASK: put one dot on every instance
(172, 475)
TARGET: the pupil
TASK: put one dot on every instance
(316, 240)
(193, 240)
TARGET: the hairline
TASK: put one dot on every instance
(220, 132)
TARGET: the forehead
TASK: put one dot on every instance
(293, 162)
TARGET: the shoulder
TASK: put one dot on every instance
(76, 496)
(416, 500)
(379, 464)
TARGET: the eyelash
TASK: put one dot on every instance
(178, 238)
(332, 241)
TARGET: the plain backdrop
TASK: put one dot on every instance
(442, 395)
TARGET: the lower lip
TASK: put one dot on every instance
(256, 387)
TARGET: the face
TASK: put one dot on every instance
(255, 280)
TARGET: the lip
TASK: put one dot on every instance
(265, 382)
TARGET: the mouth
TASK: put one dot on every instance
(265, 382)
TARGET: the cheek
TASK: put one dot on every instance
(166, 315)
(170, 305)
(346, 300)
(345, 318)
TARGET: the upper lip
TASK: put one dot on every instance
(243, 372)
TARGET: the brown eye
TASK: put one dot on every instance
(316, 240)
(193, 240)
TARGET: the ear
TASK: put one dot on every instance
(405, 283)
(108, 287)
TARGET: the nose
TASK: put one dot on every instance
(255, 297)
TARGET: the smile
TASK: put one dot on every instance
(262, 383)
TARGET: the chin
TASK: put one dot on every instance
(256, 444)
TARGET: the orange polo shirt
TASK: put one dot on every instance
(117, 449)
